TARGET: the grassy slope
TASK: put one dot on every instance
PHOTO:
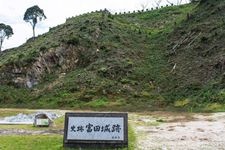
(198, 80)
(132, 69)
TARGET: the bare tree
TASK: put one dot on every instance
(144, 5)
(158, 2)
(179, 2)
(169, 2)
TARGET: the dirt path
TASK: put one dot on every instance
(171, 131)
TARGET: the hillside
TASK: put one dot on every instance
(197, 49)
(122, 61)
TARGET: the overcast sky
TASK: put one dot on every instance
(56, 11)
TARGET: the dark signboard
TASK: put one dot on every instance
(84, 130)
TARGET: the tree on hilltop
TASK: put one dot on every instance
(5, 32)
(32, 15)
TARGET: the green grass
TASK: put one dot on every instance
(58, 125)
(12, 112)
(31, 142)
(45, 142)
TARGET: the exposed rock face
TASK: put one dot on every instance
(57, 60)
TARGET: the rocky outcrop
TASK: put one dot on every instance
(54, 60)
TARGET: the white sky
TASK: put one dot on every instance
(56, 11)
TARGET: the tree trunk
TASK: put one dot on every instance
(33, 31)
(1, 41)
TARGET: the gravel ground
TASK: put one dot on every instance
(164, 131)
